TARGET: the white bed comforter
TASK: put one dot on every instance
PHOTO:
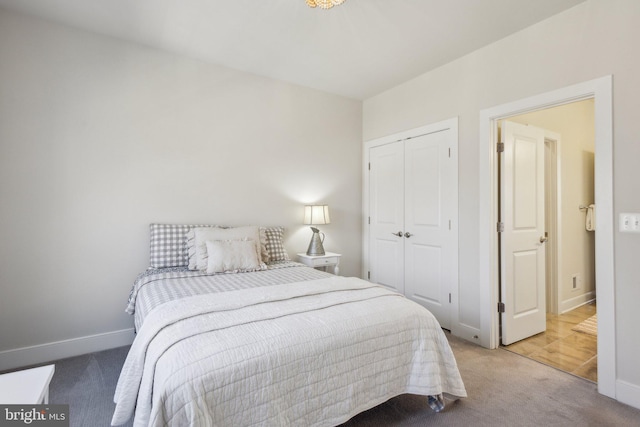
(312, 353)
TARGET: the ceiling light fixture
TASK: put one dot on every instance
(324, 4)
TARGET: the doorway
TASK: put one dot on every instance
(601, 91)
(569, 239)
(566, 344)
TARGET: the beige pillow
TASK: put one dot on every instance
(232, 256)
(202, 235)
(191, 245)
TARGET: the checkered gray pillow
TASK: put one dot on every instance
(274, 244)
(168, 245)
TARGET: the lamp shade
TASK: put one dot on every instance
(316, 215)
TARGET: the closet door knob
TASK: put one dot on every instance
(399, 234)
(407, 234)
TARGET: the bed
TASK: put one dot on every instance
(270, 343)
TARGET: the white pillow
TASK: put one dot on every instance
(191, 245)
(202, 235)
(232, 256)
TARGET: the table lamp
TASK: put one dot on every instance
(316, 215)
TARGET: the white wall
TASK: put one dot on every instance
(591, 40)
(99, 138)
(575, 124)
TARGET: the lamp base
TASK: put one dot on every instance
(315, 245)
(317, 253)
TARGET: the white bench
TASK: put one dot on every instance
(29, 386)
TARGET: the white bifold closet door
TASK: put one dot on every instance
(412, 247)
(386, 248)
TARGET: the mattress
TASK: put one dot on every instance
(314, 350)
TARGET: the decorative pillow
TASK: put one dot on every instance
(232, 256)
(201, 235)
(264, 253)
(190, 242)
(167, 245)
(274, 244)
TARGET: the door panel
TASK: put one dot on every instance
(426, 263)
(524, 281)
(429, 247)
(386, 186)
(388, 269)
(522, 247)
(524, 189)
(424, 204)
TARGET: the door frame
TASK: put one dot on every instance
(457, 328)
(601, 91)
(553, 214)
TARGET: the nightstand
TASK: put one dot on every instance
(29, 386)
(329, 259)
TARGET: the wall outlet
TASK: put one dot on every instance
(576, 282)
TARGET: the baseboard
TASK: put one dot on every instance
(43, 353)
(628, 393)
(466, 332)
(573, 303)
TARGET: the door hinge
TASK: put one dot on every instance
(500, 227)
(369, 165)
(449, 224)
(449, 298)
(368, 275)
(501, 307)
(449, 152)
(369, 220)
(500, 147)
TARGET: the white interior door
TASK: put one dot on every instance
(430, 251)
(386, 199)
(522, 278)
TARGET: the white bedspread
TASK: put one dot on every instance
(313, 353)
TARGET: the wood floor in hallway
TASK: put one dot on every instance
(563, 348)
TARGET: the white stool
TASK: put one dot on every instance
(29, 386)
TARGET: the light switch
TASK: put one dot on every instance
(629, 222)
(624, 222)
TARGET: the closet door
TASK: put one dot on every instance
(386, 215)
(413, 240)
(429, 247)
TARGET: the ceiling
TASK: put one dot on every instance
(357, 49)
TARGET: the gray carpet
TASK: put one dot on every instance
(504, 390)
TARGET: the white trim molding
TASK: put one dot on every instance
(601, 91)
(628, 393)
(575, 302)
(44, 353)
